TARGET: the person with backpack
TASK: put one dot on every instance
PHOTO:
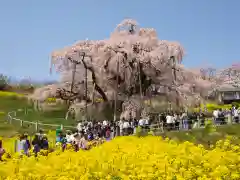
(2, 151)
(23, 147)
(221, 117)
(44, 143)
(36, 144)
(108, 133)
(27, 141)
(41, 134)
(63, 141)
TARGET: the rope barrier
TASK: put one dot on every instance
(14, 113)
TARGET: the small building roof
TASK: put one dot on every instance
(228, 88)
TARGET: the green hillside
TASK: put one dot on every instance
(26, 112)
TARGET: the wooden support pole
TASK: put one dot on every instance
(86, 93)
(93, 101)
(116, 94)
(175, 79)
(140, 80)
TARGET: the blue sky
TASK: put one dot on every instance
(30, 30)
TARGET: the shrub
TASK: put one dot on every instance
(4, 81)
(236, 104)
(140, 132)
(211, 107)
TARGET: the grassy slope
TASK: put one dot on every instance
(8, 104)
(202, 136)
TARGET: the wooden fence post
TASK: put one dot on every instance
(21, 123)
(36, 126)
(9, 119)
(15, 145)
(198, 121)
(26, 111)
(30, 139)
(229, 118)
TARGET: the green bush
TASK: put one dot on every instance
(4, 80)
(140, 132)
(212, 107)
(236, 104)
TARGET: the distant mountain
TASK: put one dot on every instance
(49, 82)
(26, 81)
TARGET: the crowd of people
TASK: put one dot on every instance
(176, 121)
(99, 131)
(226, 116)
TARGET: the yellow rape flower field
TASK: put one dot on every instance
(9, 94)
(131, 158)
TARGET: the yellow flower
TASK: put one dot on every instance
(6, 93)
(128, 157)
(2, 113)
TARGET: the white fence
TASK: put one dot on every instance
(12, 116)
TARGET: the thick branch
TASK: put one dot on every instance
(97, 87)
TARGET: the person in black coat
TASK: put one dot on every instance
(36, 144)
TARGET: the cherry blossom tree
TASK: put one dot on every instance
(126, 67)
(208, 73)
(231, 75)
